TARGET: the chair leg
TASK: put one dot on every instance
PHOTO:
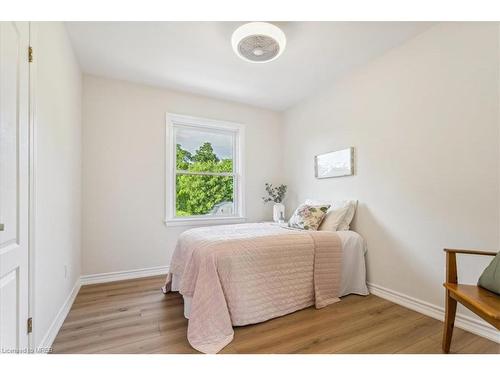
(449, 321)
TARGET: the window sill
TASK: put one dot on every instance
(189, 222)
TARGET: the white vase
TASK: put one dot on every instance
(278, 212)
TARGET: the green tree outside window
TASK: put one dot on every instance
(198, 194)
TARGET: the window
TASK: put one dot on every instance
(205, 180)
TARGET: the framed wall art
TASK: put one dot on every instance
(335, 164)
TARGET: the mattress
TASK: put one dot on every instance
(353, 277)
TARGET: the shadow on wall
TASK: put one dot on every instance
(395, 254)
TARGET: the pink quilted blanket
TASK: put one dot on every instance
(248, 273)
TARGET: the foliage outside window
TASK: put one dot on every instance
(205, 172)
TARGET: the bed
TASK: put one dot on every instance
(235, 275)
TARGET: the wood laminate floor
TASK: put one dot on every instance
(133, 316)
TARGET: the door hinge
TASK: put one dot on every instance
(30, 325)
(30, 54)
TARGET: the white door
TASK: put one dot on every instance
(14, 174)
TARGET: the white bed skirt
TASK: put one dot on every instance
(353, 279)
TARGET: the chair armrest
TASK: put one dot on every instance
(471, 252)
(451, 262)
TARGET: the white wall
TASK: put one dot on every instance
(58, 173)
(424, 120)
(124, 169)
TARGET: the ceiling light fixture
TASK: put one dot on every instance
(258, 42)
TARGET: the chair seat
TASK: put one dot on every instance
(488, 303)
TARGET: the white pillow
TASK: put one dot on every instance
(334, 219)
(352, 204)
(342, 213)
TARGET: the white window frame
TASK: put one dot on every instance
(174, 121)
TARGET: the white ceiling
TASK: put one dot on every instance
(197, 56)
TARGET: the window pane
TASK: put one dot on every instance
(203, 151)
(204, 195)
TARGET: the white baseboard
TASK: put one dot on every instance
(107, 277)
(476, 326)
(58, 321)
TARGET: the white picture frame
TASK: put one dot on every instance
(334, 164)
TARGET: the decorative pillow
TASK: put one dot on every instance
(338, 221)
(334, 219)
(490, 278)
(308, 216)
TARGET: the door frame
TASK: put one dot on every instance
(31, 188)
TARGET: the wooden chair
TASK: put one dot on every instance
(480, 301)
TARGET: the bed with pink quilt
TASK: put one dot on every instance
(234, 275)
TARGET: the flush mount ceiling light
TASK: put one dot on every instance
(258, 42)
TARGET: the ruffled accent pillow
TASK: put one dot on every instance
(308, 217)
